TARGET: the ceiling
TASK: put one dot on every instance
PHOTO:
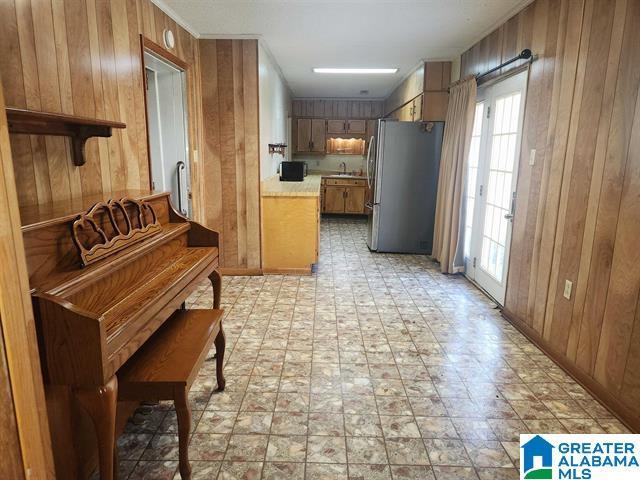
(302, 34)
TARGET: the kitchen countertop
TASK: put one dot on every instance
(309, 187)
(347, 176)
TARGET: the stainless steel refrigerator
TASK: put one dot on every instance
(402, 170)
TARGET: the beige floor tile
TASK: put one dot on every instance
(406, 451)
(323, 449)
(485, 453)
(399, 426)
(369, 472)
(411, 472)
(369, 450)
(326, 471)
(240, 471)
(253, 422)
(283, 471)
(246, 448)
(447, 452)
(454, 473)
(287, 448)
(377, 354)
(326, 424)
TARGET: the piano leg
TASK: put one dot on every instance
(216, 281)
(183, 412)
(220, 343)
(100, 403)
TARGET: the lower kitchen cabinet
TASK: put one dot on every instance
(333, 200)
(290, 234)
(346, 196)
(354, 199)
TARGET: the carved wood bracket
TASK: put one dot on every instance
(110, 226)
(79, 129)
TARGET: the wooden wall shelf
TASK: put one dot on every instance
(79, 129)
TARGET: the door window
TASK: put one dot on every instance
(491, 183)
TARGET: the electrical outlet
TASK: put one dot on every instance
(568, 286)
(532, 157)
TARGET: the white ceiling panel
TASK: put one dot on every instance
(304, 34)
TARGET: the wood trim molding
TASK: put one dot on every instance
(239, 272)
(287, 271)
(163, 53)
(18, 327)
(622, 412)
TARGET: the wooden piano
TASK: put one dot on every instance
(104, 278)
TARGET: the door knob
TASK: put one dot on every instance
(509, 216)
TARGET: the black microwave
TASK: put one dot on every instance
(293, 171)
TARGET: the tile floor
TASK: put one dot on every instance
(376, 367)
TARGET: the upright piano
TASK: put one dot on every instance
(105, 273)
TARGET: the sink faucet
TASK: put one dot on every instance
(343, 166)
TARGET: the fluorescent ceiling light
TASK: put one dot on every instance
(355, 70)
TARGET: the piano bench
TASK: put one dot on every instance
(165, 367)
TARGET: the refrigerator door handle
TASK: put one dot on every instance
(371, 140)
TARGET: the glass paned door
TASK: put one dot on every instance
(492, 174)
(472, 180)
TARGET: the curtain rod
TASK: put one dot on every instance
(524, 55)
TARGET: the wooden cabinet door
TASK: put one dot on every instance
(354, 199)
(318, 135)
(333, 199)
(357, 127)
(417, 108)
(304, 135)
(336, 127)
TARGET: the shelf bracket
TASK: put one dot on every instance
(78, 129)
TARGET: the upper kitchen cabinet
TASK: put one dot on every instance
(337, 109)
(437, 77)
(325, 125)
(336, 127)
(346, 127)
(311, 135)
(356, 127)
(423, 96)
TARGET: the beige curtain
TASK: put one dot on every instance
(448, 238)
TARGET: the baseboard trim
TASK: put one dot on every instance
(239, 272)
(623, 413)
(287, 271)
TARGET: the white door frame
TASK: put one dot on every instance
(169, 156)
(478, 262)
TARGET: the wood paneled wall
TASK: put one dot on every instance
(83, 57)
(336, 108)
(231, 173)
(24, 432)
(578, 212)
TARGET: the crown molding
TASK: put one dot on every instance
(170, 12)
(230, 36)
(503, 19)
(274, 62)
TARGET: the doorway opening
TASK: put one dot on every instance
(492, 174)
(168, 133)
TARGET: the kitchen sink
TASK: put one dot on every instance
(344, 175)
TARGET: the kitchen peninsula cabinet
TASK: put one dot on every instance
(290, 225)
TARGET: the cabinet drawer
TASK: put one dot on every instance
(346, 182)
